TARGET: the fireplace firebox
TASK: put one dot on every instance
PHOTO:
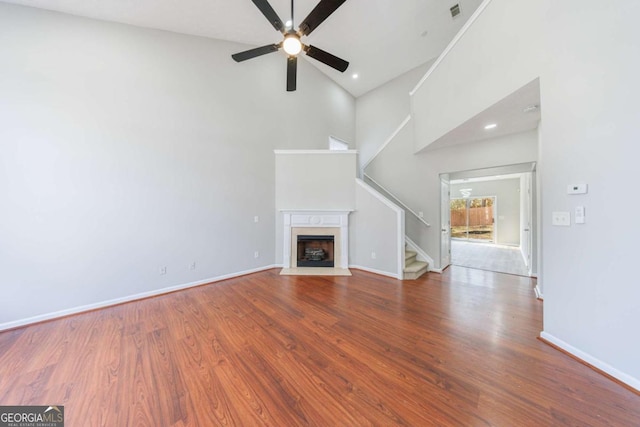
(315, 251)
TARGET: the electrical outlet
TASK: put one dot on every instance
(256, 218)
(256, 254)
(163, 270)
(373, 255)
(192, 266)
(562, 219)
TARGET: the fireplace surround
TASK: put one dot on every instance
(316, 225)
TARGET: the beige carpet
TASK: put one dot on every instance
(487, 256)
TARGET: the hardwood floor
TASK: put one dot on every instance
(453, 349)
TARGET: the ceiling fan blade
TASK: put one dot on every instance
(270, 14)
(318, 15)
(252, 53)
(326, 58)
(292, 72)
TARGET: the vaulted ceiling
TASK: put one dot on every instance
(381, 39)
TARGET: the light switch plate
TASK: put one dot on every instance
(562, 219)
(580, 215)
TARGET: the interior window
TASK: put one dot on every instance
(336, 144)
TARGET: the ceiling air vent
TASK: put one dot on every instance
(455, 10)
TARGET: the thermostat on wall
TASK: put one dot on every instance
(577, 189)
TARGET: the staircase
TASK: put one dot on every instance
(412, 267)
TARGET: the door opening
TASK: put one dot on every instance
(473, 219)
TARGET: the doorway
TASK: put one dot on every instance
(511, 245)
(473, 218)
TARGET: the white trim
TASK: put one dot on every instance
(538, 292)
(605, 367)
(379, 272)
(316, 152)
(384, 144)
(316, 210)
(400, 243)
(422, 255)
(130, 298)
(524, 258)
(451, 45)
(407, 208)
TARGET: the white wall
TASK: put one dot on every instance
(507, 208)
(589, 135)
(585, 53)
(507, 59)
(315, 180)
(125, 149)
(376, 231)
(382, 110)
(415, 178)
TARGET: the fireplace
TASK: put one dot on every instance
(315, 251)
(316, 243)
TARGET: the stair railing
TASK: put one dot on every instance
(390, 195)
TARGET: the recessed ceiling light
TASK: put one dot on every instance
(355, 75)
(490, 126)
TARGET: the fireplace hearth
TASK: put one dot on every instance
(315, 251)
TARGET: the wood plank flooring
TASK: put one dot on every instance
(457, 349)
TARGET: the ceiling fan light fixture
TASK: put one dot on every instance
(292, 45)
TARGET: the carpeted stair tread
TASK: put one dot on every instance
(408, 254)
(416, 266)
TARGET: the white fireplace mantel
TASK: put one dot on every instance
(317, 219)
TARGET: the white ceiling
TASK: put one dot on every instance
(381, 39)
(517, 112)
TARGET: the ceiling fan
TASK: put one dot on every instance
(291, 43)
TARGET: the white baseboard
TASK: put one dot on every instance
(538, 292)
(373, 270)
(129, 298)
(596, 363)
